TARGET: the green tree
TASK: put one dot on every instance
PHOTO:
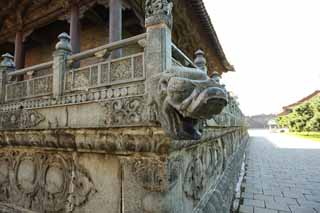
(304, 117)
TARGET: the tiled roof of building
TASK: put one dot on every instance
(201, 11)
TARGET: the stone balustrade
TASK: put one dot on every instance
(148, 132)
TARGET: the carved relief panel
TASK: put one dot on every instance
(205, 166)
(43, 182)
(20, 119)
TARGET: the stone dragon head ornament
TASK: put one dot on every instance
(182, 97)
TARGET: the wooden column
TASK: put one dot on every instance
(75, 31)
(19, 58)
(115, 25)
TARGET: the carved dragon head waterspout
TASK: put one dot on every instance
(182, 96)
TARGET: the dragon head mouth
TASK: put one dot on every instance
(209, 102)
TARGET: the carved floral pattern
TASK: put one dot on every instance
(125, 111)
(43, 182)
(138, 66)
(150, 173)
(20, 119)
(121, 70)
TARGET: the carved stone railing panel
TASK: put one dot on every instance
(16, 90)
(39, 86)
(123, 70)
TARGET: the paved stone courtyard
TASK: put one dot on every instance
(282, 175)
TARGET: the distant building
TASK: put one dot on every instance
(272, 125)
(259, 121)
(288, 109)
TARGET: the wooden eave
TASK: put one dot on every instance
(201, 12)
(54, 9)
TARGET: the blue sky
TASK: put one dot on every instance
(274, 46)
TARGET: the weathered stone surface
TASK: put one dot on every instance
(121, 135)
(180, 97)
(43, 181)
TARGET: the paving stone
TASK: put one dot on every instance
(256, 203)
(277, 206)
(305, 203)
(287, 171)
(293, 194)
(299, 209)
(315, 198)
(263, 197)
(248, 195)
(263, 210)
(246, 209)
(285, 200)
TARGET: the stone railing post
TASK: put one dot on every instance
(216, 76)
(63, 50)
(7, 65)
(158, 48)
(158, 27)
(200, 61)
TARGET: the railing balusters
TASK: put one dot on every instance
(60, 82)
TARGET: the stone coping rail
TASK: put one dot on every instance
(108, 47)
(180, 56)
(36, 67)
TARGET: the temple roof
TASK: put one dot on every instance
(40, 12)
(286, 109)
(201, 11)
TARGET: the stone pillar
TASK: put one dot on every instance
(6, 65)
(75, 31)
(115, 25)
(200, 61)
(19, 51)
(63, 50)
(158, 49)
(158, 26)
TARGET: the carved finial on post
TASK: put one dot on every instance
(158, 11)
(200, 61)
(63, 50)
(7, 61)
(216, 76)
(64, 42)
(6, 65)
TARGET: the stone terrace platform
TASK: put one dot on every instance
(282, 175)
